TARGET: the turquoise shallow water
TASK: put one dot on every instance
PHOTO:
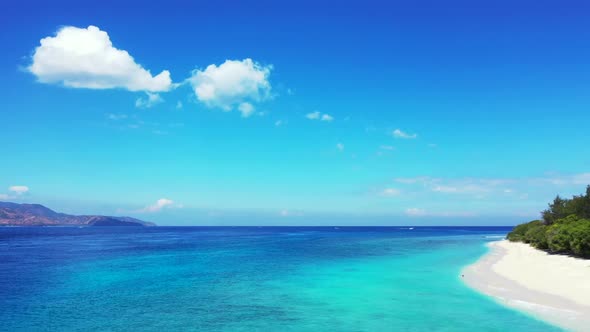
(247, 279)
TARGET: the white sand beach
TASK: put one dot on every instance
(553, 288)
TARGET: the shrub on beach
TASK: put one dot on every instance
(536, 236)
(518, 233)
(565, 227)
(580, 239)
(558, 238)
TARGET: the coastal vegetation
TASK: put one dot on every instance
(564, 228)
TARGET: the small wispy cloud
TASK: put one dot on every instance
(576, 179)
(116, 117)
(290, 213)
(246, 109)
(150, 100)
(159, 205)
(313, 115)
(159, 132)
(327, 117)
(387, 147)
(415, 212)
(340, 147)
(461, 188)
(486, 187)
(390, 192)
(411, 180)
(454, 186)
(319, 116)
(279, 123)
(179, 105)
(15, 192)
(19, 190)
(398, 133)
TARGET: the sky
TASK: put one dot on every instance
(295, 113)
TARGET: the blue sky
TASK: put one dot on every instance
(257, 113)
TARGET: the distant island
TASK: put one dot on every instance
(14, 214)
(564, 228)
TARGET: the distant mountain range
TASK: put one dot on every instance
(13, 214)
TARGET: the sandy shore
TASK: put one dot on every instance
(553, 288)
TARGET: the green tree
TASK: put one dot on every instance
(555, 211)
(584, 211)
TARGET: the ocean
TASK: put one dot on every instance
(247, 279)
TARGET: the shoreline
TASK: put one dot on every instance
(552, 288)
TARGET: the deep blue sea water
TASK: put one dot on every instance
(247, 279)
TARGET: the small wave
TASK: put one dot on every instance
(495, 236)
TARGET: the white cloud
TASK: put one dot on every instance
(159, 205)
(432, 145)
(178, 105)
(116, 117)
(319, 116)
(482, 187)
(419, 179)
(289, 213)
(19, 190)
(415, 212)
(461, 188)
(16, 192)
(86, 58)
(445, 189)
(313, 115)
(340, 146)
(401, 134)
(390, 192)
(454, 186)
(387, 147)
(246, 109)
(150, 100)
(279, 123)
(232, 83)
(581, 179)
(327, 117)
